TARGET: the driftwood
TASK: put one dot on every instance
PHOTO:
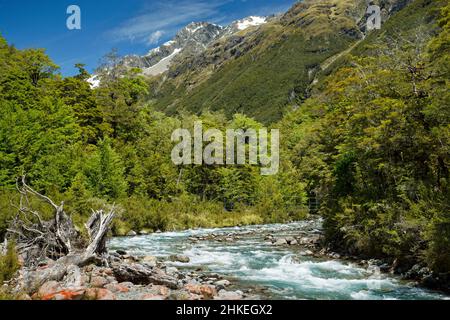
(143, 275)
(56, 240)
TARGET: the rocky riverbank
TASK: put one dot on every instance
(163, 274)
(311, 243)
(127, 277)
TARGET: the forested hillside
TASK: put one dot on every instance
(372, 143)
(260, 72)
(366, 135)
(89, 147)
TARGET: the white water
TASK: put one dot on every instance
(279, 272)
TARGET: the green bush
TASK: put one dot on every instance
(9, 263)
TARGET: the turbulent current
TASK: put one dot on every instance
(254, 264)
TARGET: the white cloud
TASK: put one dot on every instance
(155, 37)
(166, 17)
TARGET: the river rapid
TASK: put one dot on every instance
(263, 270)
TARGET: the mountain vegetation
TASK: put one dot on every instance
(364, 120)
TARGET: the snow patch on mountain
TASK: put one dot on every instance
(163, 65)
(251, 21)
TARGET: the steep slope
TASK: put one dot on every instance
(371, 144)
(265, 69)
(262, 70)
(192, 39)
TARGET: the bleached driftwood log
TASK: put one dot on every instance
(57, 239)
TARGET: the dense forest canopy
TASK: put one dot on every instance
(371, 143)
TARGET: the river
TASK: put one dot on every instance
(253, 264)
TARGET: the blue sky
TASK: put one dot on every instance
(131, 26)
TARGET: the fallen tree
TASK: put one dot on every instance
(57, 239)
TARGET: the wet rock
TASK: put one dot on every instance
(131, 233)
(335, 255)
(121, 252)
(293, 242)
(402, 266)
(430, 282)
(385, 268)
(306, 253)
(143, 232)
(221, 284)
(290, 239)
(304, 240)
(179, 258)
(418, 272)
(280, 242)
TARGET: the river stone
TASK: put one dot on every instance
(117, 288)
(73, 278)
(306, 253)
(99, 294)
(290, 239)
(229, 295)
(280, 242)
(151, 297)
(179, 258)
(150, 261)
(131, 233)
(222, 284)
(121, 252)
(98, 282)
(48, 288)
(171, 270)
(207, 291)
